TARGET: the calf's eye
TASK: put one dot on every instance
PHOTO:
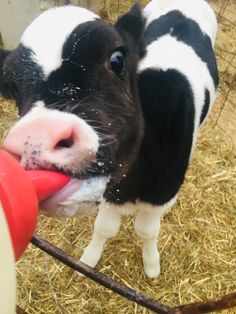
(117, 62)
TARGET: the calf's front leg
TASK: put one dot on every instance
(106, 225)
(147, 227)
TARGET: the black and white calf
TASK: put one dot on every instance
(177, 81)
(79, 91)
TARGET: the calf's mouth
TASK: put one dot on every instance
(77, 198)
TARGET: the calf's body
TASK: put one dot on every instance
(177, 80)
(138, 154)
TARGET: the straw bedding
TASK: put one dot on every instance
(197, 241)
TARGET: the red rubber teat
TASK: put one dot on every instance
(46, 182)
(20, 192)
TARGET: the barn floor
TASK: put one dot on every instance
(197, 241)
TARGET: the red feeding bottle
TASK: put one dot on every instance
(20, 192)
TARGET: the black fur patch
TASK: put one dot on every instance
(206, 106)
(6, 88)
(167, 103)
(24, 76)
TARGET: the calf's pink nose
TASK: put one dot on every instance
(43, 139)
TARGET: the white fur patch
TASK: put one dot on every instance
(46, 35)
(197, 10)
(134, 208)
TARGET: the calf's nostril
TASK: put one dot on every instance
(65, 143)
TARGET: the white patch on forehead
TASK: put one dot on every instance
(47, 34)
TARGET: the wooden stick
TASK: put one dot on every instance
(100, 278)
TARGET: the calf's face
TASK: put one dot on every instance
(74, 81)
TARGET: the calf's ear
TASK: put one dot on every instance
(7, 89)
(131, 25)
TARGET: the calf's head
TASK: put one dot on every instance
(74, 81)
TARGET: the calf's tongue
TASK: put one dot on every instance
(50, 204)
